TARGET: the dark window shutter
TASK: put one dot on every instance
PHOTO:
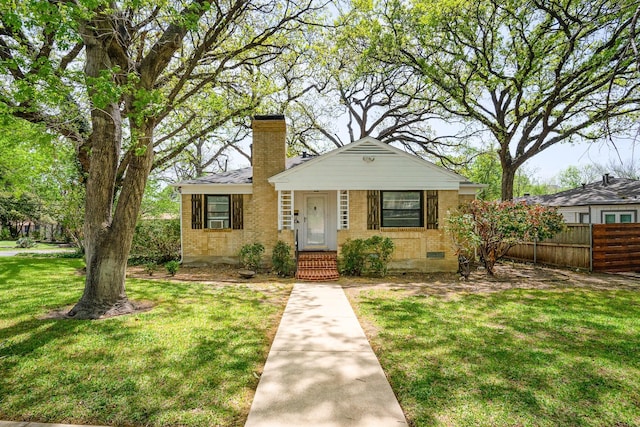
(196, 211)
(373, 210)
(237, 221)
(432, 209)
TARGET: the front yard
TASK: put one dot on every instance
(193, 360)
(562, 352)
(534, 347)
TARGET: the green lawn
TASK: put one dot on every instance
(191, 361)
(10, 245)
(513, 358)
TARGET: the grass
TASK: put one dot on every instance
(191, 361)
(10, 245)
(512, 358)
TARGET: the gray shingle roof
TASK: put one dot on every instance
(241, 176)
(614, 192)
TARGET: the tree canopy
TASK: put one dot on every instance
(529, 74)
(126, 80)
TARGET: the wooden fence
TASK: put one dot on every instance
(570, 248)
(600, 247)
(616, 247)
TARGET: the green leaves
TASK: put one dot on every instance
(493, 227)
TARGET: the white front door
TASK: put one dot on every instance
(315, 221)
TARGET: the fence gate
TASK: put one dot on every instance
(616, 247)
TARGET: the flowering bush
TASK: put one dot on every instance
(494, 227)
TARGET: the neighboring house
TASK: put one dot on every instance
(610, 200)
(363, 189)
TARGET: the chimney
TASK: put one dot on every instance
(268, 159)
(605, 179)
(268, 151)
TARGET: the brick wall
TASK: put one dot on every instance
(204, 246)
(260, 208)
(416, 249)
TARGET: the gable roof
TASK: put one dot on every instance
(608, 191)
(240, 176)
(368, 164)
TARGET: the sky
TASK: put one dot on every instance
(549, 163)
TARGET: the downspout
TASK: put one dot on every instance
(181, 232)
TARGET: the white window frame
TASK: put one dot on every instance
(343, 209)
(285, 210)
(617, 215)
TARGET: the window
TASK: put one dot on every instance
(618, 217)
(402, 208)
(584, 218)
(218, 212)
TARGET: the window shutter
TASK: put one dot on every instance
(432, 209)
(237, 212)
(196, 211)
(373, 210)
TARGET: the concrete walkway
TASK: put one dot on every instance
(321, 370)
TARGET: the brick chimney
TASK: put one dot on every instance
(268, 152)
(268, 158)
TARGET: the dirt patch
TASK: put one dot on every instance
(224, 274)
(63, 313)
(508, 275)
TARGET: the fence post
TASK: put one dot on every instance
(591, 248)
(535, 251)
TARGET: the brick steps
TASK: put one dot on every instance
(317, 266)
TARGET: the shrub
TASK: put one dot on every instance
(156, 241)
(251, 256)
(380, 251)
(370, 256)
(150, 267)
(5, 234)
(25, 242)
(172, 267)
(283, 263)
(494, 227)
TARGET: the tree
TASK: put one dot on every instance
(121, 78)
(530, 74)
(374, 98)
(494, 227)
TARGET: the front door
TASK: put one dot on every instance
(315, 221)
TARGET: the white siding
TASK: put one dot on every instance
(367, 165)
(572, 213)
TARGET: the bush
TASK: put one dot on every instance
(172, 267)
(251, 256)
(494, 227)
(283, 263)
(150, 267)
(5, 234)
(25, 242)
(156, 241)
(370, 256)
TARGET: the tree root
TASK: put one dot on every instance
(95, 310)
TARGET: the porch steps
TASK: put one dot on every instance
(317, 266)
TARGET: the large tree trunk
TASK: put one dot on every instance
(109, 224)
(108, 243)
(508, 177)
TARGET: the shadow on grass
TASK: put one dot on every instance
(190, 361)
(519, 357)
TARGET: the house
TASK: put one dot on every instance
(606, 201)
(362, 189)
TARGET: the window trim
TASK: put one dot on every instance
(617, 214)
(421, 210)
(206, 212)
